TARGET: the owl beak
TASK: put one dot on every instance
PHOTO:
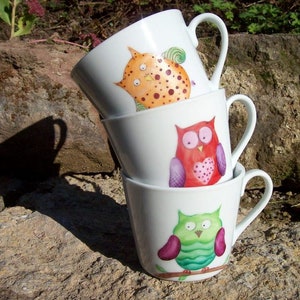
(198, 233)
(148, 77)
(200, 148)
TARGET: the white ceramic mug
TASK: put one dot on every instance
(188, 234)
(150, 63)
(182, 144)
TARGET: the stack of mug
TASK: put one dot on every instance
(168, 124)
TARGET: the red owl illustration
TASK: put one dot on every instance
(156, 80)
(200, 158)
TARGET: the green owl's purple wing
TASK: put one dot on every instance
(177, 173)
(221, 160)
(171, 249)
(220, 244)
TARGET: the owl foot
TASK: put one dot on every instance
(187, 272)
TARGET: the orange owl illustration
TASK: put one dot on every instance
(200, 157)
(156, 80)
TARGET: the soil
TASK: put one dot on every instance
(70, 20)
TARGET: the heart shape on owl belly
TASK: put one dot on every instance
(203, 171)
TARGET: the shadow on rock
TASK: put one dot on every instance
(93, 217)
(29, 155)
(29, 177)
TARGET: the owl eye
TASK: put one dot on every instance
(206, 224)
(190, 226)
(190, 139)
(143, 67)
(205, 135)
(136, 82)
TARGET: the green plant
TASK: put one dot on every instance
(20, 15)
(268, 18)
(225, 7)
(255, 17)
(263, 17)
(294, 20)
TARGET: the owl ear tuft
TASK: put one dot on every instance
(212, 120)
(133, 52)
(180, 215)
(217, 212)
(178, 129)
(120, 83)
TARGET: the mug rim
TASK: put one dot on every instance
(239, 170)
(163, 107)
(115, 35)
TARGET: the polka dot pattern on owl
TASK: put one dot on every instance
(156, 80)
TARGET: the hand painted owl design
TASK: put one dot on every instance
(156, 80)
(196, 241)
(200, 158)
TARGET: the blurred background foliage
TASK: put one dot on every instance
(71, 19)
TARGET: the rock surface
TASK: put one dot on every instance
(267, 69)
(47, 127)
(43, 110)
(70, 238)
(271, 77)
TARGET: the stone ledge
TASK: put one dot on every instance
(70, 238)
(39, 99)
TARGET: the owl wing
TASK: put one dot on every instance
(171, 249)
(220, 244)
(175, 54)
(177, 173)
(221, 160)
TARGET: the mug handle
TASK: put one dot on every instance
(257, 209)
(251, 122)
(209, 17)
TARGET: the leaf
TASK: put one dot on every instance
(25, 25)
(160, 269)
(295, 21)
(202, 8)
(139, 106)
(5, 11)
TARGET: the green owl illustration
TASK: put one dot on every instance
(196, 240)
